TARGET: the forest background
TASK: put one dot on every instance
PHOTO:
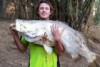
(82, 15)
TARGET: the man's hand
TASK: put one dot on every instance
(56, 32)
(12, 28)
(57, 37)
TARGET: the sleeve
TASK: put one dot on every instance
(23, 40)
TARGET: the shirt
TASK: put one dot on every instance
(39, 57)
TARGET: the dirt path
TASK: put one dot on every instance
(11, 57)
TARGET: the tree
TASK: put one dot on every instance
(74, 12)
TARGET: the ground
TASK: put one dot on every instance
(11, 57)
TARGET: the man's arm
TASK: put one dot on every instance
(59, 47)
(57, 37)
(22, 48)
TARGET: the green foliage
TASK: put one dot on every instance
(97, 12)
(97, 18)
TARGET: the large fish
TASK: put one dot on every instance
(39, 31)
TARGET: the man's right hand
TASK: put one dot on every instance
(12, 28)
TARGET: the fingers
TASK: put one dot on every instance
(55, 27)
(56, 32)
(62, 30)
(12, 26)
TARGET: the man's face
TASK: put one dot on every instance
(44, 11)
